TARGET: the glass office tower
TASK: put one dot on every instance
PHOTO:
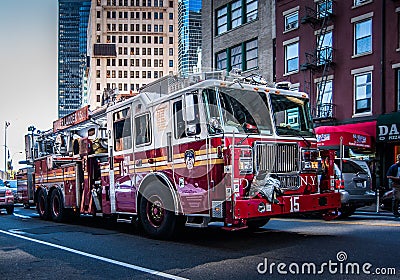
(189, 32)
(73, 16)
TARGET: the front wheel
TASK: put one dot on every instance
(42, 205)
(57, 206)
(156, 211)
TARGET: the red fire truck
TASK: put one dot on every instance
(191, 151)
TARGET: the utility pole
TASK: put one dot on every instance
(5, 146)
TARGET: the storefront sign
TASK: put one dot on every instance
(388, 127)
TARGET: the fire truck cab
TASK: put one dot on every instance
(185, 151)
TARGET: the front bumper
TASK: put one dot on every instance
(6, 201)
(259, 207)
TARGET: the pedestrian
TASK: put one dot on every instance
(393, 175)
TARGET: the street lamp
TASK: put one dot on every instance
(7, 124)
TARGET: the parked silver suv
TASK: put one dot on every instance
(356, 187)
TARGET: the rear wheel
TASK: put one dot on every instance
(10, 209)
(42, 205)
(157, 211)
(57, 206)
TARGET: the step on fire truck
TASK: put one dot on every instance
(208, 148)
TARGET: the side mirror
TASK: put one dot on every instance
(215, 126)
(191, 130)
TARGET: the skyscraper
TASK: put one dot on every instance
(73, 16)
(189, 30)
(130, 44)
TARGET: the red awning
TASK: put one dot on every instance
(357, 135)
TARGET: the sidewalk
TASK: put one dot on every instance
(371, 210)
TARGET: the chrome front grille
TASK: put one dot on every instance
(276, 158)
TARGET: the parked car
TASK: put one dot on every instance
(6, 198)
(355, 185)
(12, 184)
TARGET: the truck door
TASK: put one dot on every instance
(121, 152)
(189, 150)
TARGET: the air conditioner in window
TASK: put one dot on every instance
(291, 25)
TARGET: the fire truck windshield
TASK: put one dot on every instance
(291, 115)
(236, 110)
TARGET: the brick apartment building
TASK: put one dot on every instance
(346, 55)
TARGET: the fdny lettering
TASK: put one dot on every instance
(308, 180)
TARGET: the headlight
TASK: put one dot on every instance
(309, 159)
(246, 161)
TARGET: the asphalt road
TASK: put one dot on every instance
(302, 248)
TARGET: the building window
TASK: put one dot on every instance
(222, 60)
(231, 15)
(361, 2)
(222, 20)
(171, 63)
(363, 93)
(291, 21)
(251, 54)
(236, 14)
(324, 100)
(251, 10)
(292, 57)
(324, 51)
(363, 37)
(236, 57)
(243, 57)
(171, 16)
(324, 8)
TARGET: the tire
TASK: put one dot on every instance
(10, 209)
(257, 223)
(42, 205)
(156, 211)
(57, 209)
(347, 211)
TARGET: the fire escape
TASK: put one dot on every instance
(319, 61)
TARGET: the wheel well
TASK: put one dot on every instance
(164, 181)
(49, 192)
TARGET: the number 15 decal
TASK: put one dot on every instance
(294, 204)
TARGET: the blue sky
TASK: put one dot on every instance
(28, 70)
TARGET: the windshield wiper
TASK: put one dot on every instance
(296, 132)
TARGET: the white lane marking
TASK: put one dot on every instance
(127, 265)
(21, 216)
